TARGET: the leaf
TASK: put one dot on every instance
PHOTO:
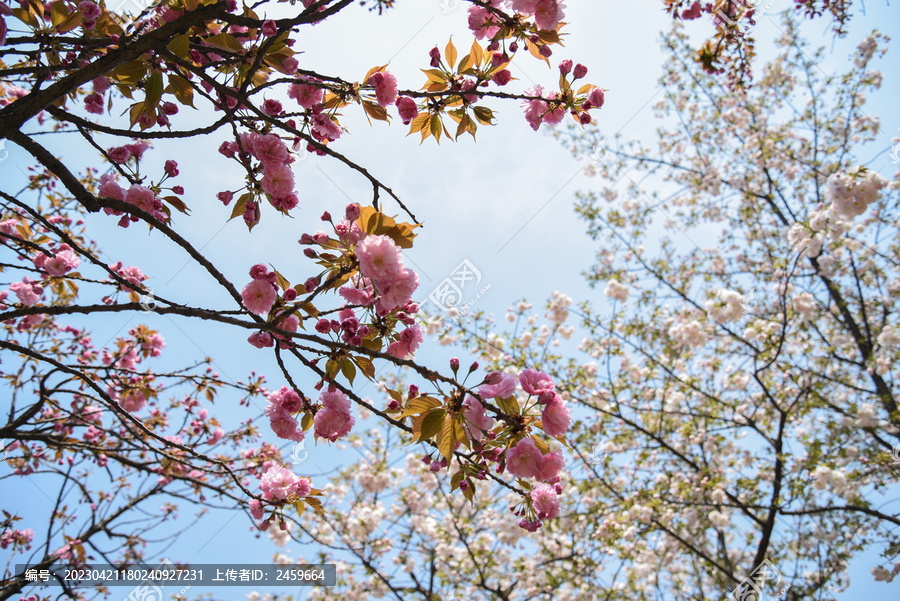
(535, 51)
(508, 405)
(454, 481)
(224, 41)
(469, 493)
(372, 72)
(540, 444)
(450, 52)
(281, 281)
(135, 112)
(375, 111)
(477, 53)
(585, 88)
(26, 16)
(154, 90)
(331, 368)
(436, 127)
(240, 205)
(484, 115)
(130, 73)
(418, 123)
(402, 234)
(180, 45)
(177, 203)
(465, 64)
(72, 21)
(366, 365)
(462, 127)
(316, 505)
(306, 422)
(446, 439)
(348, 369)
(419, 405)
(431, 424)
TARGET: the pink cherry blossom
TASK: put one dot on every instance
(119, 154)
(499, 384)
(408, 109)
(556, 417)
(526, 7)
(287, 398)
(141, 197)
(261, 340)
(545, 501)
(306, 94)
(385, 89)
(29, 293)
(397, 291)
(534, 109)
(549, 13)
(379, 258)
(334, 420)
(277, 483)
(359, 293)
(270, 150)
(256, 509)
(93, 103)
(278, 180)
(65, 261)
(551, 465)
(524, 460)
(283, 423)
(479, 421)
(259, 296)
(324, 128)
(536, 382)
(483, 23)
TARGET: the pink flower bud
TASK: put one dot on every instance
(501, 78)
(580, 71)
(565, 66)
(352, 212)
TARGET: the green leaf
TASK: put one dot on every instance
(224, 41)
(154, 90)
(432, 424)
(419, 405)
(348, 370)
(180, 45)
(182, 89)
(130, 73)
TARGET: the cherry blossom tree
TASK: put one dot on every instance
(734, 403)
(111, 432)
(731, 48)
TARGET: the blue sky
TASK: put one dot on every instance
(503, 203)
